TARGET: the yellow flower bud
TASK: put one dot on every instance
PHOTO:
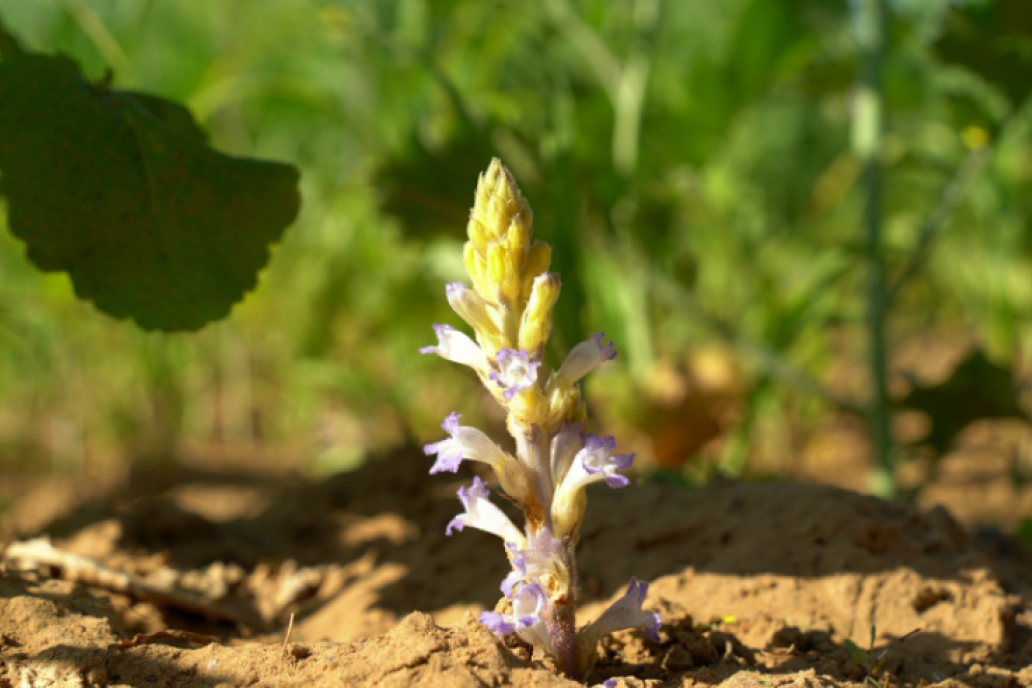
(518, 239)
(471, 307)
(565, 403)
(526, 408)
(510, 285)
(578, 412)
(536, 324)
(498, 201)
(476, 269)
(538, 258)
(495, 270)
(477, 233)
(568, 511)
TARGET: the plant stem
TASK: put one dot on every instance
(869, 18)
(561, 615)
(533, 451)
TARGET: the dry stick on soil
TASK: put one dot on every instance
(290, 629)
(39, 552)
(286, 641)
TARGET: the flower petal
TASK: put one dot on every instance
(526, 615)
(593, 463)
(596, 462)
(519, 569)
(626, 612)
(567, 442)
(528, 605)
(456, 346)
(585, 357)
(465, 443)
(499, 624)
(470, 307)
(509, 582)
(516, 372)
(482, 514)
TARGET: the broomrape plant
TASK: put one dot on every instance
(509, 308)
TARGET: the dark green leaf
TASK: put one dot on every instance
(118, 190)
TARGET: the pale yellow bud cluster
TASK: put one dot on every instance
(507, 271)
(510, 305)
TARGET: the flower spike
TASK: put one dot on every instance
(510, 308)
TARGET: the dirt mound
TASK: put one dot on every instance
(757, 585)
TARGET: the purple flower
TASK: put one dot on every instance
(525, 619)
(456, 346)
(595, 457)
(626, 612)
(516, 372)
(593, 463)
(519, 569)
(585, 357)
(482, 514)
(465, 443)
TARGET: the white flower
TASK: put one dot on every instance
(593, 463)
(456, 346)
(626, 612)
(483, 515)
(565, 445)
(465, 443)
(525, 620)
(469, 443)
(585, 357)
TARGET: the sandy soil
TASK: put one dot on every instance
(758, 584)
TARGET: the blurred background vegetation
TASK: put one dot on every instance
(690, 163)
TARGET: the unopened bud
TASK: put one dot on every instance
(498, 201)
(539, 256)
(536, 324)
(471, 308)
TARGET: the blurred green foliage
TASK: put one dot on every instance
(689, 162)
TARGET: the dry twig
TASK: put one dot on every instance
(39, 552)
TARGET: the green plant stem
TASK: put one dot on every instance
(868, 124)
